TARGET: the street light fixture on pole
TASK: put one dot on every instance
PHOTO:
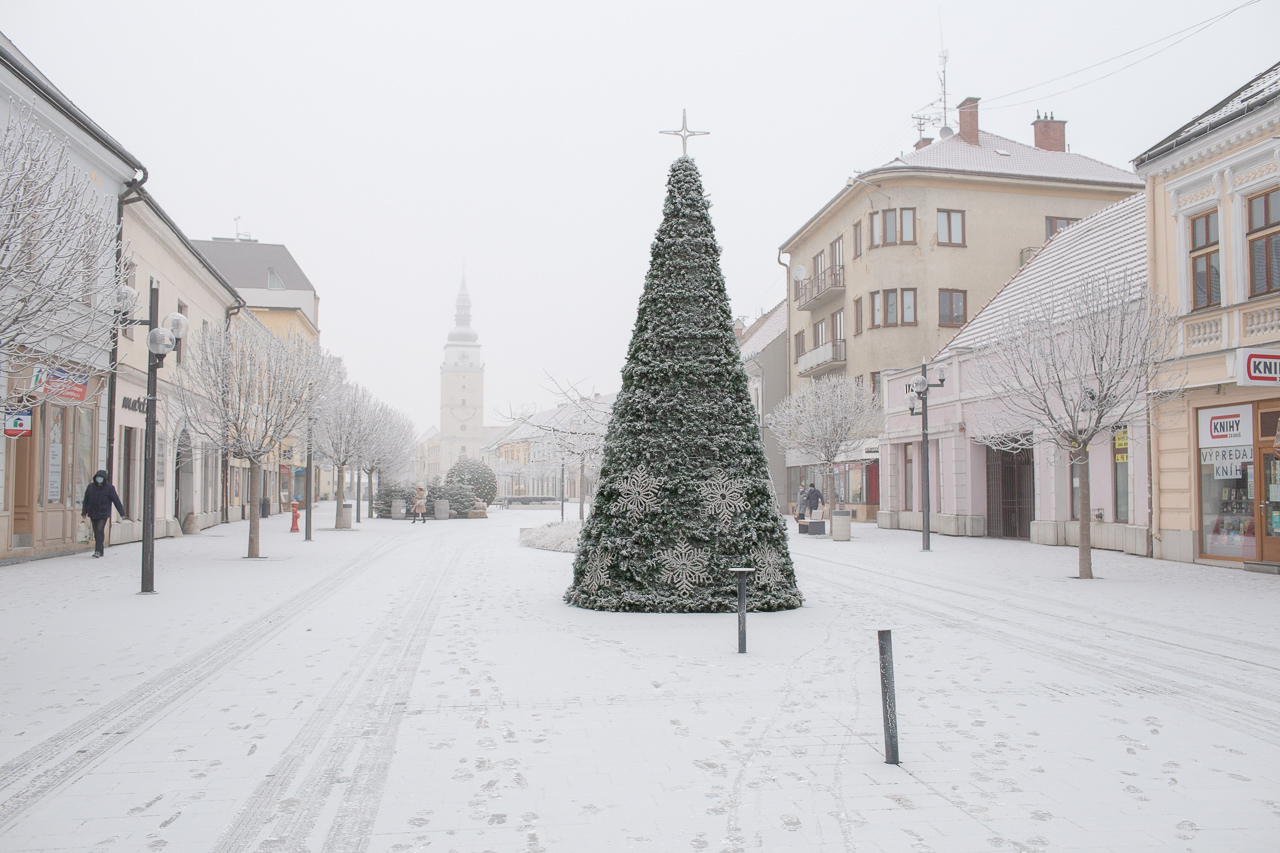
(161, 341)
(918, 395)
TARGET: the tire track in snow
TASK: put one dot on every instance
(1190, 694)
(288, 815)
(66, 755)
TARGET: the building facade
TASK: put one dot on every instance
(462, 431)
(887, 272)
(190, 478)
(1031, 493)
(1213, 208)
(764, 355)
(44, 472)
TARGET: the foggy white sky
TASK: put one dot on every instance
(384, 142)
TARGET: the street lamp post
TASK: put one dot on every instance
(310, 489)
(161, 341)
(918, 394)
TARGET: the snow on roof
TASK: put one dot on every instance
(764, 331)
(1111, 241)
(1255, 94)
(537, 424)
(996, 155)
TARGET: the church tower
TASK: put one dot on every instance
(461, 389)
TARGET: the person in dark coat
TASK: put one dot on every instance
(815, 499)
(98, 498)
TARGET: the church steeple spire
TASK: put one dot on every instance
(462, 331)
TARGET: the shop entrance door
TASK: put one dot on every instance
(22, 452)
(1269, 476)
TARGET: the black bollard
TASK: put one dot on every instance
(887, 695)
(742, 608)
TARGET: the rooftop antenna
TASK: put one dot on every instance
(239, 233)
(943, 55)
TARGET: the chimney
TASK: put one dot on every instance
(738, 327)
(925, 142)
(969, 120)
(1051, 134)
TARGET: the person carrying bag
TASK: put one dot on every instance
(96, 507)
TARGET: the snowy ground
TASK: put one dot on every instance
(422, 687)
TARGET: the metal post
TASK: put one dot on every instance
(310, 489)
(924, 464)
(889, 701)
(562, 491)
(149, 460)
(742, 613)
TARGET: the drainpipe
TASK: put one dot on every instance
(129, 196)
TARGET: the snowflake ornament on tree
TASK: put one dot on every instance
(724, 496)
(769, 564)
(597, 574)
(638, 492)
(684, 567)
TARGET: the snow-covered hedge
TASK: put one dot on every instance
(555, 536)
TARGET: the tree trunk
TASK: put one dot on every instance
(1086, 514)
(370, 513)
(339, 489)
(359, 483)
(255, 500)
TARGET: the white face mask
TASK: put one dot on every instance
(99, 480)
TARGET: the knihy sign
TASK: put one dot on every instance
(17, 424)
(1227, 426)
(1257, 367)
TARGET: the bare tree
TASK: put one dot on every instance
(342, 432)
(60, 284)
(573, 432)
(1065, 370)
(831, 417)
(390, 443)
(245, 391)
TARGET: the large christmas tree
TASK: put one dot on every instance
(684, 489)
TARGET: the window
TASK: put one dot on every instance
(908, 306)
(891, 307)
(951, 307)
(1054, 224)
(877, 310)
(875, 383)
(908, 478)
(857, 316)
(836, 252)
(884, 228)
(799, 344)
(951, 228)
(1264, 243)
(177, 347)
(1120, 463)
(908, 229)
(274, 282)
(819, 333)
(837, 325)
(1206, 268)
(464, 401)
(857, 239)
(819, 266)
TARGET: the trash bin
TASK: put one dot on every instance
(817, 527)
(264, 507)
(344, 517)
(397, 510)
(841, 521)
(442, 510)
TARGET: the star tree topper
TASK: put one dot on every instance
(684, 133)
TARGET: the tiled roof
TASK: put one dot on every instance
(1111, 241)
(764, 331)
(996, 155)
(1252, 96)
(245, 263)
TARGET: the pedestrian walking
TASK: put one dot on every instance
(814, 499)
(802, 498)
(96, 506)
(419, 505)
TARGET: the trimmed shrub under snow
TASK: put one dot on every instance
(555, 536)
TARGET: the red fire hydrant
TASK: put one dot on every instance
(294, 507)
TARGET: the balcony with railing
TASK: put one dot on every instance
(822, 359)
(821, 288)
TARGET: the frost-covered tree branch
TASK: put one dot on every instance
(829, 418)
(1070, 369)
(245, 391)
(59, 281)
